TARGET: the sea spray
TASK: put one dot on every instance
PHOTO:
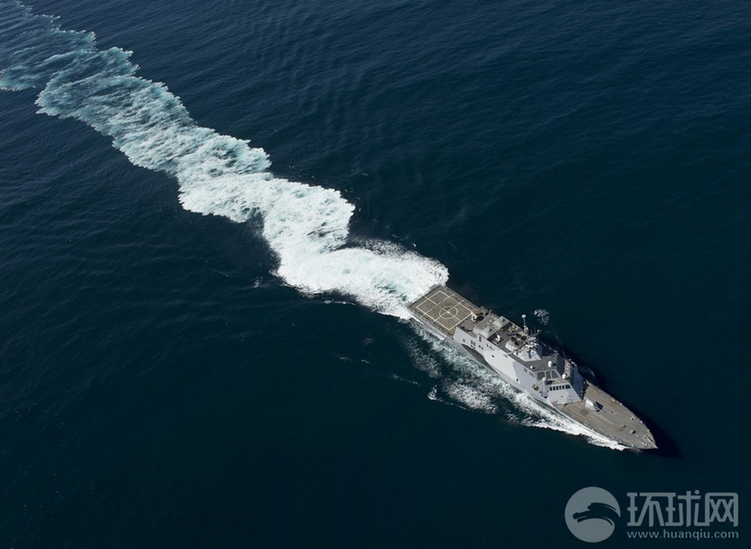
(305, 226)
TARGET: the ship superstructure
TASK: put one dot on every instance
(528, 364)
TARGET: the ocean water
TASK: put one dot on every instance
(213, 216)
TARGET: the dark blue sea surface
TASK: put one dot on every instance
(212, 216)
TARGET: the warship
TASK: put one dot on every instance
(528, 364)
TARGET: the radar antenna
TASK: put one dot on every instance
(532, 340)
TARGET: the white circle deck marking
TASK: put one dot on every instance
(448, 312)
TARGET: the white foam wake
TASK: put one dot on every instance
(305, 226)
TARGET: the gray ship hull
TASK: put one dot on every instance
(529, 365)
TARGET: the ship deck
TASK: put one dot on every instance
(443, 309)
(613, 420)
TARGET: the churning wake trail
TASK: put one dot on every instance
(305, 226)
